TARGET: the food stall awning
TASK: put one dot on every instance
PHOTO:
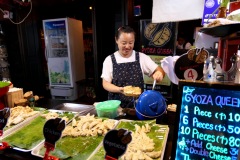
(177, 10)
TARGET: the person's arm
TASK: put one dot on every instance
(158, 74)
(151, 68)
(111, 87)
(107, 77)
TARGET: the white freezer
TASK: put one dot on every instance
(65, 56)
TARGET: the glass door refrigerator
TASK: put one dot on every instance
(65, 56)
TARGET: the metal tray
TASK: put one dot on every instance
(83, 109)
(26, 123)
(72, 107)
(62, 111)
(163, 134)
(222, 30)
(36, 150)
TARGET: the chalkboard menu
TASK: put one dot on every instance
(208, 121)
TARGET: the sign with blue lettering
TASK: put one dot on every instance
(210, 11)
(208, 121)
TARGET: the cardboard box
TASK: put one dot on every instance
(12, 95)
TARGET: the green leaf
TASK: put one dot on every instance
(224, 3)
(4, 84)
(130, 125)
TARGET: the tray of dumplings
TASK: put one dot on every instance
(28, 134)
(20, 115)
(85, 133)
(153, 136)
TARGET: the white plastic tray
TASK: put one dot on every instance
(18, 126)
(25, 123)
(163, 128)
(36, 150)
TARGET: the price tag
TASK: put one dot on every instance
(4, 115)
(189, 66)
(52, 132)
(115, 143)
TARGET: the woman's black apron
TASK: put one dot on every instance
(125, 74)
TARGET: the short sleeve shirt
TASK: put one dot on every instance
(148, 66)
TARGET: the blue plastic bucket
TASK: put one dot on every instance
(150, 105)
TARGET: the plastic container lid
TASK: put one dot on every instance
(151, 104)
(108, 105)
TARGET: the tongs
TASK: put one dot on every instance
(154, 84)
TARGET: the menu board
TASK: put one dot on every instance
(208, 125)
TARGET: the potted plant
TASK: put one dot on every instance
(222, 10)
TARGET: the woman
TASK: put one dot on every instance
(127, 67)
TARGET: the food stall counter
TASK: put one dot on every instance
(83, 109)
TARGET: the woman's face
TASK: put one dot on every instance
(125, 43)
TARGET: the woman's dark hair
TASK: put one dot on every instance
(124, 29)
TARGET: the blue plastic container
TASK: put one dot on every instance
(150, 105)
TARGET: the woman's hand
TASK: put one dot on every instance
(121, 89)
(158, 75)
